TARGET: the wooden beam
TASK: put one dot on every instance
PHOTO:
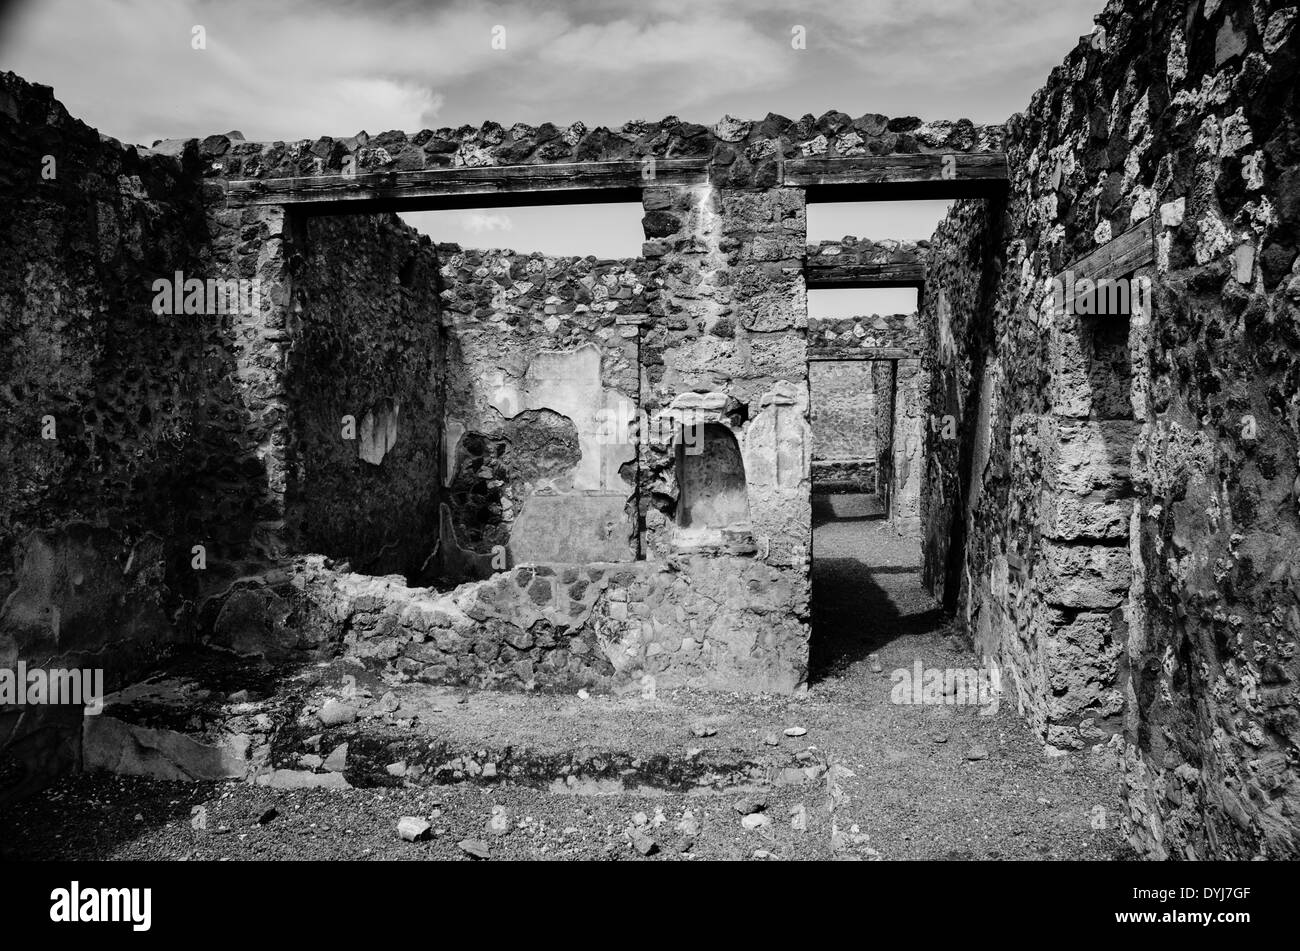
(477, 187)
(1094, 285)
(860, 178)
(1120, 256)
(899, 177)
(862, 353)
(823, 276)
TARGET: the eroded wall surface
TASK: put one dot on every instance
(146, 441)
(364, 384)
(844, 417)
(726, 347)
(126, 438)
(542, 403)
(1130, 513)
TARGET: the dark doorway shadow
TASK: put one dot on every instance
(867, 592)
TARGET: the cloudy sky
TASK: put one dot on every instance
(299, 69)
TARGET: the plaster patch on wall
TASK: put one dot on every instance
(377, 433)
(569, 382)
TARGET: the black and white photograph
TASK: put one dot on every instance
(507, 432)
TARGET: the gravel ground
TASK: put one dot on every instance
(868, 779)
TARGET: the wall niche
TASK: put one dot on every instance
(711, 478)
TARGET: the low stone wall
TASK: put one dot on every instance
(851, 250)
(849, 336)
(706, 621)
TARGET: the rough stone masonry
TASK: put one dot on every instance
(403, 452)
(1117, 518)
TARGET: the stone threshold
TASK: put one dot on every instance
(335, 724)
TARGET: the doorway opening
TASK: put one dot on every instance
(867, 394)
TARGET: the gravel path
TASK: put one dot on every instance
(864, 778)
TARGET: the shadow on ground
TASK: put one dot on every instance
(866, 593)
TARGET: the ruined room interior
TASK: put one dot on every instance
(421, 466)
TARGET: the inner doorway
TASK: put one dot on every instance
(853, 436)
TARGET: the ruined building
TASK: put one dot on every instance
(404, 451)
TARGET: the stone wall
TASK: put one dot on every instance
(844, 419)
(727, 343)
(908, 449)
(610, 627)
(743, 153)
(147, 454)
(125, 436)
(543, 394)
(957, 319)
(851, 250)
(1130, 522)
(847, 337)
(726, 346)
(364, 384)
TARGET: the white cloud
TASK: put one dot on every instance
(478, 222)
(292, 71)
(302, 69)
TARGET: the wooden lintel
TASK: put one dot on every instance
(480, 186)
(862, 353)
(857, 178)
(824, 276)
(1119, 256)
(899, 176)
(1096, 284)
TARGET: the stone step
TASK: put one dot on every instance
(849, 505)
(336, 724)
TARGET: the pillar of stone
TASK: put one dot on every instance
(726, 347)
(1085, 508)
(255, 244)
(905, 505)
